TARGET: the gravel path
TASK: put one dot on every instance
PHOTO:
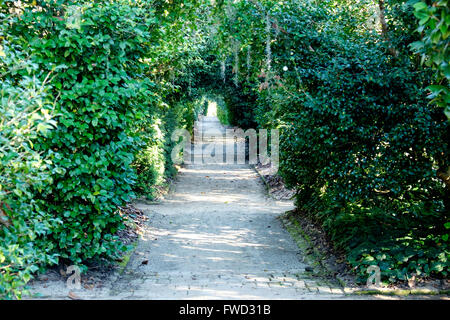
(215, 236)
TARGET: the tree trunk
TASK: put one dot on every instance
(445, 177)
(384, 28)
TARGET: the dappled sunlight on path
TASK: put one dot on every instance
(217, 236)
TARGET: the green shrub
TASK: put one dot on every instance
(116, 76)
(366, 153)
(153, 162)
(363, 149)
(434, 25)
(222, 110)
(99, 57)
(25, 116)
(150, 161)
(240, 107)
(359, 143)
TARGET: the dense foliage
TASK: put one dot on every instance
(25, 111)
(360, 143)
(111, 101)
(434, 23)
(91, 92)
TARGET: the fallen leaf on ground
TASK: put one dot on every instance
(73, 296)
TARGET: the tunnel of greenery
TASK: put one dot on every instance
(91, 92)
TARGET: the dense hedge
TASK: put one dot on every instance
(92, 91)
(111, 109)
(153, 163)
(25, 115)
(364, 150)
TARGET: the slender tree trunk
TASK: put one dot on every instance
(445, 177)
(384, 28)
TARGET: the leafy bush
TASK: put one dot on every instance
(25, 115)
(150, 162)
(153, 162)
(434, 23)
(92, 148)
(359, 142)
(366, 153)
(221, 109)
(100, 50)
(240, 107)
(116, 103)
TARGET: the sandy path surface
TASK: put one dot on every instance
(215, 236)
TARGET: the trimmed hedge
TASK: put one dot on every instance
(25, 117)
(112, 111)
(360, 144)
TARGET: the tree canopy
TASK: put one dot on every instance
(91, 92)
